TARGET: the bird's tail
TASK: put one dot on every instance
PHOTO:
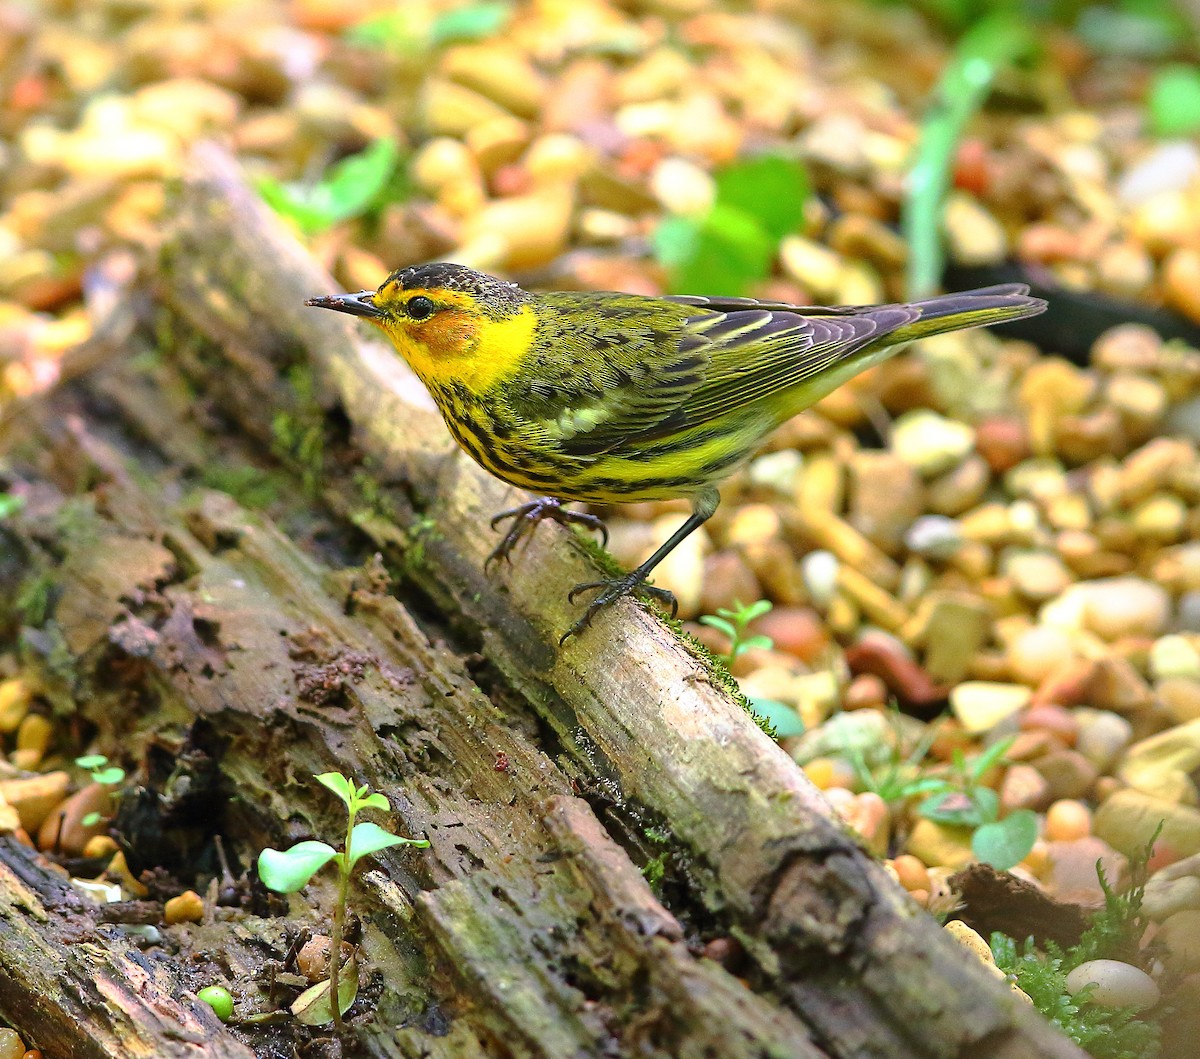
(974, 308)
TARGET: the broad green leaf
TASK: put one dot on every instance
(675, 240)
(1175, 101)
(375, 801)
(109, 776)
(91, 761)
(473, 22)
(90, 819)
(287, 871)
(783, 718)
(370, 838)
(756, 610)
(340, 786)
(770, 188)
(356, 182)
(755, 643)
(312, 1007)
(10, 505)
(1006, 842)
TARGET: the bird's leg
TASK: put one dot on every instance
(613, 589)
(527, 516)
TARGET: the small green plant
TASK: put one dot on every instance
(1174, 101)
(732, 246)
(111, 776)
(219, 999)
(407, 31)
(734, 622)
(1115, 933)
(350, 188)
(288, 871)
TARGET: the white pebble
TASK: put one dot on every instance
(819, 571)
(1117, 984)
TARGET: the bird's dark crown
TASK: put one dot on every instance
(491, 292)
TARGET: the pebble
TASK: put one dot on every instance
(35, 797)
(940, 845)
(981, 705)
(1175, 888)
(797, 631)
(1174, 656)
(934, 537)
(1127, 819)
(1116, 607)
(1103, 737)
(1180, 697)
(1181, 282)
(815, 267)
(1023, 787)
(1180, 933)
(819, 570)
(960, 488)
(958, 626)
(1003, 442)
(35, 733)
(1114, 984)
(885, 497)
(868, 814)
(910, 872)
(904, 678)
(1162, 765)
(1071, 869)
(930, 443)
(1067, 819)
(1068, 773)
(727, 580)
(11, 1045)
(973, 235)
(1038, 576)
(63, 830)
(1037, 652)
(187, 907)
(15, 696)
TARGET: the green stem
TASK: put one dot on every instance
(339, 922)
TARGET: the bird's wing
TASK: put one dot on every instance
(650, 375)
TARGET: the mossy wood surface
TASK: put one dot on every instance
(187, 628)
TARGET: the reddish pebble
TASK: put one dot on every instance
(903, 677)
(913, 875)
(797, 631)
(1002, 442)
(866, 691)
(1053, 719)
(972, 167)
(1067, 685)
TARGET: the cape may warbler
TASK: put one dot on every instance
(610, 398)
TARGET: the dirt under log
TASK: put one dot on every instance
(226, 655)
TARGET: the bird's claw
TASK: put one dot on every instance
(527, 516)
(610, 591)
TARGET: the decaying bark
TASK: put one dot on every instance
(189, 630)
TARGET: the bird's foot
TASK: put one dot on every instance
(527, 516)
(611, 590)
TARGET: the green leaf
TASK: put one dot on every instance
(755, 643)
(720, 624)
(473, 22)
(375, 801)
(1174, 101)
(960, 808)
(90, 819)
(313, 1007)
(783, 718)
(287, 871)
(771, 188)
(10, 505)
(340, 786)
(991, 756)
(368, 838)
(354, 183)
(1006, 842)
(675, 240)
(91, 761)
(756, 610)
(110, 776)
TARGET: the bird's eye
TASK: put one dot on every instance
(420, 308)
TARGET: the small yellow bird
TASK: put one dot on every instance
(603, 397)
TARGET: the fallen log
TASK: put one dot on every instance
(188, 631)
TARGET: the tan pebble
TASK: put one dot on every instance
(1023, 788)
(499, 72)
(187, 907)
(1126, 270)
(1038, 652)
(828, 531)
(1067, 819)
(826, 773)
(11, 1045)
(1103, 736)
(15, 696)
(876, 603)
(865, 691)
(451, 109)
(1180, 697)
(1125, 606)
(958, 626)
(1002, 442)
(940, 845)
(1037, 860)
(1141, 401)
(1181, 935)
(981, 705)
(727, 580)
(25, 760)
(10, 821)
(100, 846)
(1038, 576)
(1162, 765)
(1068, 773)
(1115, 684)
(35, 797)
(1161, 518)
(959, 489)
(1028, 746)
(868, 814)
(1181, 282)
(1127, 819)
(973, 235)
(815, 267)
(885, 497)
(118, 870)
(35, 733)
(1128, 347)
(753, 523)
(63, 830)
(523, 231)
(971, 940)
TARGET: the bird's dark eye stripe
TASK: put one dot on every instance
(420, 307)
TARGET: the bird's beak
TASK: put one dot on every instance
(359, 304)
